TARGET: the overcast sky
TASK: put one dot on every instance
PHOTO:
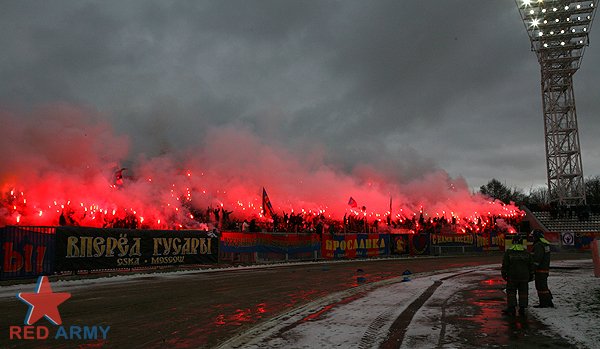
(409, 86)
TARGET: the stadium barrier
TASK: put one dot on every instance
(80, 248)
(26, 252)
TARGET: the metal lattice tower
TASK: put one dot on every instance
(558, 30)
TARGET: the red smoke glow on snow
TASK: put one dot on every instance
(66, 161)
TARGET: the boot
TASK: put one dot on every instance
(522, 311)
(545, 305)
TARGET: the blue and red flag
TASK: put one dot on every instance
(352, 202)
(266, 204)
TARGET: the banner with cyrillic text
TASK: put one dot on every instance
(26, 252)
(79, 248)
(355, 245)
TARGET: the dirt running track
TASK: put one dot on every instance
(205, 309)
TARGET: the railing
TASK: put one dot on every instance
(26, 252)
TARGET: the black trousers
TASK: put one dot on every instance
(514, 287)
(541, 285)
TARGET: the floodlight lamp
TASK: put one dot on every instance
(558, 31)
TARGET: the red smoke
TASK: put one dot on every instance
(59, 159)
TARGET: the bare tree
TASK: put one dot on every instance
(495, 189)
(592, 190)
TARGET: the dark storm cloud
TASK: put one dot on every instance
(406, 86)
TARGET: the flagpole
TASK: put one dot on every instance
(390, 220)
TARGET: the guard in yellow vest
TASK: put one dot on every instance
(541, 260)
(518, 271)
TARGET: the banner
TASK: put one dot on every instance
(596, 257)
(79, 248)
(583, 241)
(492, 241)
(400, 244)
(554, 239)
(287, 243)
(355, 245)
(232, 242)
(276, 243)
(452, 239)
(419, 244)
(26, 252)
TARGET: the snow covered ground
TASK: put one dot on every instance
(362, 317)
(577, 299)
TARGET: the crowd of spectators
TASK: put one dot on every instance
(355, 221)
(307, 223)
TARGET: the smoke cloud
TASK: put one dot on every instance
(67, 162)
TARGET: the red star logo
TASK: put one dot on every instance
(43, 303)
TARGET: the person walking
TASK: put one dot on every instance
(517, 271)
(541, 260)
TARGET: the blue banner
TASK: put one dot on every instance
(355, 245)
(26, 252)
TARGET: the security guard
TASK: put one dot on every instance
(541, 260)
(518, 271)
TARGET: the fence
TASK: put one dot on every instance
(26, 252)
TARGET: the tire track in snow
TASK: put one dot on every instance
(400, 325)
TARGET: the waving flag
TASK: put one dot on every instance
(266, 204)
(352, 202)
(119, 176)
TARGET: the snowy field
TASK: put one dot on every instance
(364, 322)
(577, 299)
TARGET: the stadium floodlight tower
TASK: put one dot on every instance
(558, 30)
